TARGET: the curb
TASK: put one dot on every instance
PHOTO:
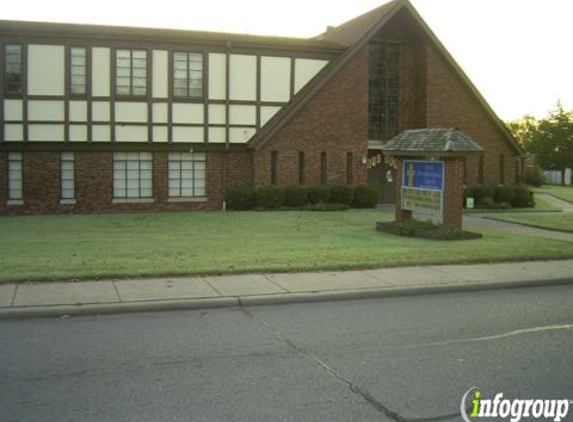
(261, 300)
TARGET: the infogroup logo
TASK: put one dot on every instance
(515, 410)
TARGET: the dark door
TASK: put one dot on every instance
(382, 177)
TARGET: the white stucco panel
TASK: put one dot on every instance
(44, 132)
(275, 79)
(267, 113)
(100, 111)
(46, 110)
(160, 113)
(13, 110)
(101, 71)
(242, 115)
(46, 69)
(243, 77)
(13, 132)
(78, 133)
(217, 115)
(305, 70)
(160, 73)
(188, 134)
(217, 76)
(130, 112)
(101, 133)
(217, 135)
(241, 134)
(188, 113)
(78, 111)
(160, 134)
(131, 133)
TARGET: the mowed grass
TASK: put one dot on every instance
(176, 244)
(540, 206)
(562, 192)
(559, 222)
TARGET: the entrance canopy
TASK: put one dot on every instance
(432, 142)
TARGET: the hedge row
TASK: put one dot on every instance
(273, 197)
(500, 196)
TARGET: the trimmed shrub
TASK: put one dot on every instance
(482, 195)
(270, 197)
(295, 196)
(240, 198)
(365, 197)
(326, 207)
(503, 194)
(522, 197)
(341, 195)
(318, 194)
(534, 176)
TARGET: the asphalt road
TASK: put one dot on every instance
(393, 359)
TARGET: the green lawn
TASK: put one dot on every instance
(560, 222)
(146, 244)
(562, 192)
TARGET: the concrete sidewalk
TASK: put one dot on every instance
(113, 296)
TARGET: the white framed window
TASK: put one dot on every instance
(132, 175)
(67, 166)
(15, 190)
(188, 75)
(131, 73)
(187, 175)
(78, 71)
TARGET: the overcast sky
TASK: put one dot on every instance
(517, 52)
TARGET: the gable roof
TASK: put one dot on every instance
(440, 141)
(356, 33)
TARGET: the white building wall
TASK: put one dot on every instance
(243, 77)
(101, 62)
(217, 76)
(305, 70)
(46, 69)
(160, 73)
(275, 79)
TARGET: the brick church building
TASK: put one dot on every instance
(97, 118)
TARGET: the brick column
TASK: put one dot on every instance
(453, 191)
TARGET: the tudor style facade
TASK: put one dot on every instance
(105, 118)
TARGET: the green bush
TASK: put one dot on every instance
(341, 195)
(295, 196)
(483, 195)
(365, 197)
(326, 207)
(240, 198)
(522, 197)
(503, 194)
(270, 197)
(318, 194)
(534, 176)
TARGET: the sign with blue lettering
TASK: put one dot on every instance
(424, 174)
(423, 186)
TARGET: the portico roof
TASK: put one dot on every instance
(439, 141)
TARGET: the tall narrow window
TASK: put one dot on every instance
(15, 191)
(188, 75)
(67, 175)
(480, 170)
(187, 174)
(132, 175)
(13, 69)
(78, 67)
(384, 88)
(274, 167)
(349, 168)
(301, 168)
(131, 73)
(323, 168)
(501, 169)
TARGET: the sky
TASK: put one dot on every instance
(517, 52)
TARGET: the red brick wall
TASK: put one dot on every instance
(94, 183)
(450, 104)
(335, 120)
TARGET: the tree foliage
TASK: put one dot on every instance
(550, 138)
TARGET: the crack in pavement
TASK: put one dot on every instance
(356, 389)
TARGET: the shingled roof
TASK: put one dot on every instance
(355, 34)
(432, 141)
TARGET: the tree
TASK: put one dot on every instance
(550, 139)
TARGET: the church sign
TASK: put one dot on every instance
(423, 186)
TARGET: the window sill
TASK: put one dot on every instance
(14, 202)
(133, 201)
(67, 202)
(188, 199)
